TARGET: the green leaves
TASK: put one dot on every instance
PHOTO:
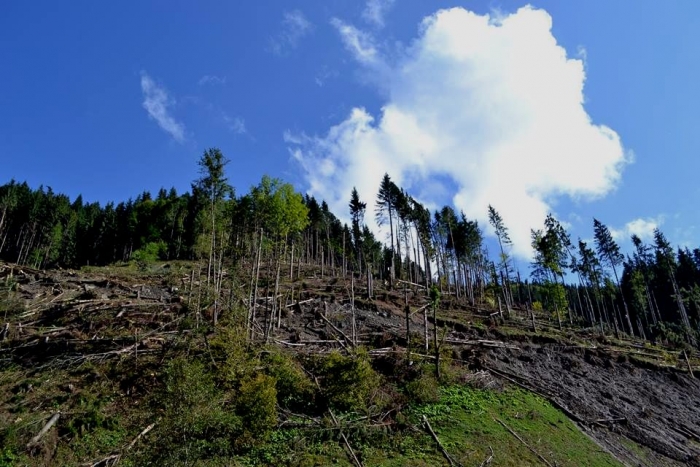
(279, 209)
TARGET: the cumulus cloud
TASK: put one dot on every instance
(375, 10)
(294, 27)
(490, 108)
(641, 227)
(156, 102)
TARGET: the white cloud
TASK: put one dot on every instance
(156, 102)
(493, 105)
(643, 228)
(211, 79)
(294, 27)
(359, 43)
(375, 10)
(235, 125)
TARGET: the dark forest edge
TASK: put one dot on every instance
(652, 294)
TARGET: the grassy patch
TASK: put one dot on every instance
(465, 420)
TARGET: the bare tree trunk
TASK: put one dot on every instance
(425, 329)
(254, 289)
(352, 305)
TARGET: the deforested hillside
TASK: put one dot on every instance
(123, 365)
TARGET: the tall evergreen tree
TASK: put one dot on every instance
(504, 241)
(357, 214)
(386, 206)
(609, 253)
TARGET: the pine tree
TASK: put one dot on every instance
(357, 214)
(504, 241)
(214, 187)
(386, 206)
(609, 253)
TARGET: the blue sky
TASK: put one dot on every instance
(109, 100)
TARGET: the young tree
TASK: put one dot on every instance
(213, 186)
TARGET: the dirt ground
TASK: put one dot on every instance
(614, 399)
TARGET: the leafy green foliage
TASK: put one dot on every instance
(295, 391)
(348, 383)
(257, 406)
(196, 423)
(424, 389)
(150, 253)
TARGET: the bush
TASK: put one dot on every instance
(348, 382)
(195, 425)
(295, 390)
(238, 362)
(424, 389)
(257, 406)
(150, 253)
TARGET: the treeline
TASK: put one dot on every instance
(273, 230)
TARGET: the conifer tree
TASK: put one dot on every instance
(386, 205)
(609, 253)
(504, 241)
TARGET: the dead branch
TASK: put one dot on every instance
(141, 435)
(113, 458)
(398, 281)
(345, 439)
(488, 460)
(690, 369)
(539, 456)
(611, 420)
(337, 330)
(52, 421)
(437, 440)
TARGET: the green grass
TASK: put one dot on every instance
(465, 421)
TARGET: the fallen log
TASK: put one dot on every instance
(52, 421)
(539, 456)
(437, 440)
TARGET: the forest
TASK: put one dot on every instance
(652, 293)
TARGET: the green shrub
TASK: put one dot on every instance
(236, 358)
(348, 382)
(196, 424)
(424, 389)
(295, 390)
(150, 253)
(257, 406)
(89, 415)
(8, 458)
